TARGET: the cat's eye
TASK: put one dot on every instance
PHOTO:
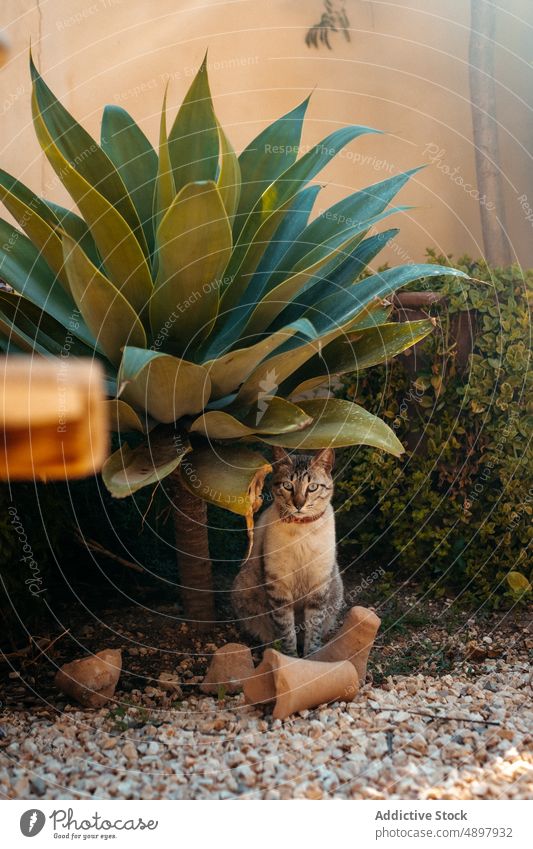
(312, 487)
(287, 485)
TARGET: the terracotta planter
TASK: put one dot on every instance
(295, 684)
(353, 641)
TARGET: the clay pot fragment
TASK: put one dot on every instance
(92, 680)
(353, 641)
(295, 684)
(230, 667)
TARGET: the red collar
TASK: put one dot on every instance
(301, 520)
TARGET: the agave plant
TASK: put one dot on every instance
(197, 278)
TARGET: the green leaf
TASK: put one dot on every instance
(339, 424)
(322, 262)
(194, 245)
(117, 245)
(340, 307)
(124, 419)
(518, 582)
(342, 276)
(351, 211)
(37, 221)
(75, 227)
(24, 269)
(230, 370)
(359, 350)
(193, 140)
(135, 160)
(273, 415)
(165, 386)
(229, 178)
(128, 470)
(45, 333)
(165, 190)
(81, 152)
(106, 311)
(270, 153)
(229, 476)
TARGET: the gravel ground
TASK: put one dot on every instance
(149, 746)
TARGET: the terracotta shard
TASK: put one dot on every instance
(353, 641)
(230, 667)
(295, 684)
(91, 681)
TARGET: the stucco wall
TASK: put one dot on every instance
(404, 70)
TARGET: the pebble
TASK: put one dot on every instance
(341, 751)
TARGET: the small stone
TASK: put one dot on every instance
(91, 681)
(171, 683)
(230, 667)
(129, 751)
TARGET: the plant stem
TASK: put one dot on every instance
(192, 548)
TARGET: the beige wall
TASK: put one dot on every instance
(404, 70)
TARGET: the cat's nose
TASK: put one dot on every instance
(299, 502)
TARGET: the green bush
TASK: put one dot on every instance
(455, 512)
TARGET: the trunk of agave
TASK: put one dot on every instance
(194, 562)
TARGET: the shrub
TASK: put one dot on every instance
(455, 511)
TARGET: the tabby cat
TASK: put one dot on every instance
(291, 582)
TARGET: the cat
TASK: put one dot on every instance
(291, 581)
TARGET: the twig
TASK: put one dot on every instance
(45, 648)
(431, 715)
(95, 546)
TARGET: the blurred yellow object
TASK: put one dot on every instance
(4, 49)
(53, 417)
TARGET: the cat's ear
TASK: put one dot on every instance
(324, 458)
(280, 456)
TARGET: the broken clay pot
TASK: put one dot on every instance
(92, 680)
(230, 667)
(295, 684)
(353, 641)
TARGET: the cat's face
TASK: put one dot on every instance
(302, 484)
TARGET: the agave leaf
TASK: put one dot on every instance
(109, 316)
(165, 190)
(338, 424)
(81, 152)
(128, 470)
(357, 351)
(229, 178)
(194, 245)
(353, 210)
(230, 370)
(23, 268)
(165, 386)
(124, 419)
(286, 234)
(322, 262)
(37, 221)
(340, 277)
(75, 227)
(229, 476)
(270, 153)
(41, 328)
(135, 160)
(193, 139)
(117, 245)
(273, 415)
(341, 307)
(283, 189)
